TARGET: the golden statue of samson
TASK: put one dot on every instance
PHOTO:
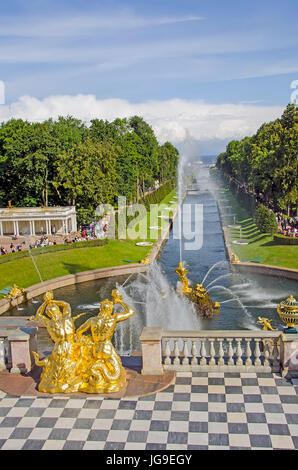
(78, 362)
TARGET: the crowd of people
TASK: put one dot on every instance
(93, 231)
(287, 226)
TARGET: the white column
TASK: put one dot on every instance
(32, 227)
(65, 227)
(74, 223)
(48, 227)
(16, 228)
(1, 229)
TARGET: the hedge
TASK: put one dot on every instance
(283, 240)
(52, 248)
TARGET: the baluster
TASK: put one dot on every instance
(194, 353)
(167, 352)
(230, 352)
(212, 352)
(203, 353)
(257, 352)
(239, 361)
(275, 354)
(185, 353)
(248, 361)
(266, 344)
(176, 352)
(221, 352)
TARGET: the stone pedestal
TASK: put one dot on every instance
(151, 351)
(22, 342)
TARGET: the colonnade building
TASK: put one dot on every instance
(17, 221)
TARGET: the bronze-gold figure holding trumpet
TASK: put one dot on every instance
(78, 362)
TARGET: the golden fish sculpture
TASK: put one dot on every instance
(79, 362)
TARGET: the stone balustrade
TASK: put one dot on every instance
(217, 351)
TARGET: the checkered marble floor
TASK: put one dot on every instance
(200, 411)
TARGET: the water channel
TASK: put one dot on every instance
(242, 297)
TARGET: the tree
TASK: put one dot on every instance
(87, 174)
(265, 220)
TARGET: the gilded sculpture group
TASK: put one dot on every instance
(81, 362)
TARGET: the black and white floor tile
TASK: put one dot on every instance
(200, 411)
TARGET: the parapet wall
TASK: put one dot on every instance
(70, 279)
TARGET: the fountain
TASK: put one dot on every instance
(204, 305)
(154, 298)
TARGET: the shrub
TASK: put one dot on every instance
(265, 220)
(282, 240)
(52, 248)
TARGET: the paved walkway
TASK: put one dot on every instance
(199, 411)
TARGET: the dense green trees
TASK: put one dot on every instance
(66, 162)
(266, 163)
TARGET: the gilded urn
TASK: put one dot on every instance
(288, 312)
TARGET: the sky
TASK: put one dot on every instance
(204, 71)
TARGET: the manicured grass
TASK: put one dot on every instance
(260, 245)
(61, 263)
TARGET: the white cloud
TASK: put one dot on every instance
(72, 24)
(174, 120)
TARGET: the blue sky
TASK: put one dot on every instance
(233, 53)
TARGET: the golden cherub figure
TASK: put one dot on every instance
(266, 323)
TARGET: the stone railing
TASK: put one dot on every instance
(218, 351)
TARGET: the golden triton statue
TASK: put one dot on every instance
(14, 292)
(181, 271)
(104, 372)
(81, 362)
(61, 370)
(198, 294)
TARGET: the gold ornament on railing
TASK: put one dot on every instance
(266, 323)
(78, 362)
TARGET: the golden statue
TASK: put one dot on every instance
(61, 370)
(81, 362)
(105, 372)
(181, 271)
(198, 294)
(266, 323)
(14, 292)
(235, 258)
(200, 291)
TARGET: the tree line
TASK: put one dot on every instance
(266, 163)
(65, 162)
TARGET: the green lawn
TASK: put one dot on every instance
(261, 245)
(61, 263)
